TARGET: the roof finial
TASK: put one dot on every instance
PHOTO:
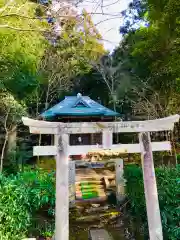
(79, 95)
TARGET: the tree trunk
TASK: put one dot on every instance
(12, 139)
(3, 152)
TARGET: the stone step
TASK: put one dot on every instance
(99, 234)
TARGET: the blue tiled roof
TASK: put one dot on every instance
(78, 106)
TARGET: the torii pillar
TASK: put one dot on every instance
(62, 187)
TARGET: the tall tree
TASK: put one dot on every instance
(11, 112)
(78, 45)
(20, 48)
(149, 54)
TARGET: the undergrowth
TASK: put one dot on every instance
(168, 184)
(21, 197)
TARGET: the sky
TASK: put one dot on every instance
(107, 18)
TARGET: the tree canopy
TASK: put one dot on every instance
(149, 53)
(20, 51)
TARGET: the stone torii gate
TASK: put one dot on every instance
(61, 150)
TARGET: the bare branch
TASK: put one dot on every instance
(2, 9)
(23, 29)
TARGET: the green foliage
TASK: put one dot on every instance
(11, 109)
(20, 198)
(178, 158)
(17, 158)
(20, 51)
(168, 180)
(78, 46)
(91, 81)
(14, 215)
(48, 231)
(149, 57)
(41, 187)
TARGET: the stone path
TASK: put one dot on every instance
(99, 234)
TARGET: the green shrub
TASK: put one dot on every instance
(48, 230)
(14, 215)
(168, 184)
(40, 185)
(178, 158)
(20, 197)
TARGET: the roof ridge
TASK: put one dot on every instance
(76, 97)
(81, 100)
